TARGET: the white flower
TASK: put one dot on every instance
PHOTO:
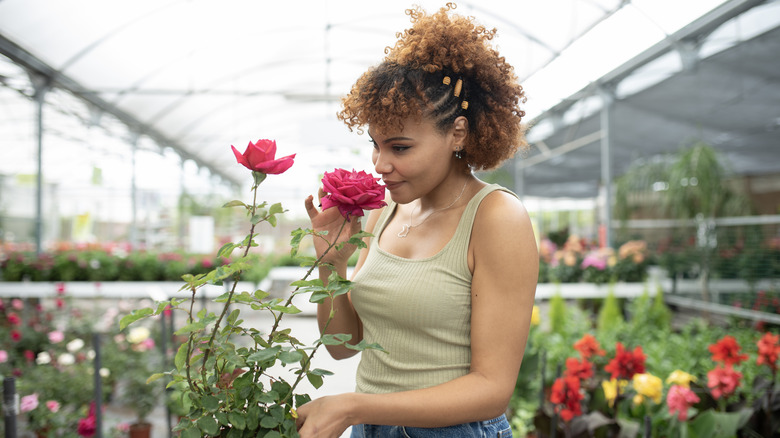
(66, 359)
(43, 358)
(138, 334)
(75, 345)
(91, 354)
(105, 372)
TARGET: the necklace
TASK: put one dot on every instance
(405, 228)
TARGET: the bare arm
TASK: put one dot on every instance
(504, 261)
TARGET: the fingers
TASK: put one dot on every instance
(311, 210)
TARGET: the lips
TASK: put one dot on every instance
(390, 185)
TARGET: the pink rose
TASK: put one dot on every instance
(14, 319)
(53, 406)
(259, 157)
(56, 336)
(3, 356)
(679, 400)
(352, 192)
(28, 403)
(17, 304)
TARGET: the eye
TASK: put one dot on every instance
(373, 143)
(400, 148)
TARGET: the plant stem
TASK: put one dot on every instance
(190, 339)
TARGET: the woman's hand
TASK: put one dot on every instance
(332, 221)
(325, 417)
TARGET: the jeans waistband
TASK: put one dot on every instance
(495, 420)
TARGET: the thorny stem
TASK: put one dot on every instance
(235, 283)
(278, 318)
(189, 344)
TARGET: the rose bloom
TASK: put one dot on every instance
(53, 406)
(588, 346)
(260, 157)
(138, 335)
(352, 192)
(56, 336)
(3, 356)
(17, 304)
(14, 319)
(66, 359)
(626, 363)
(681, 378)
(580, 369)
(43, 358)
(16, 335)
(28, 403)
(566, 392)
(726, 351)
(648, 385)
(723, 381)
(679, 400)
(768, 350)
(75, 345)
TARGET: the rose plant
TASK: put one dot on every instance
(224, 369)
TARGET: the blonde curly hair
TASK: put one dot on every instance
(419, 76)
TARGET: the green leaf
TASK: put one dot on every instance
(291, 310)
(363, 345)
(210, 403)
(256, 219)
(321, 372)
(153, 377)
(315, 380)
(273, 434)
(335, 339)
(264, 355)
(208, 425)
(252, 416)
(237, 420)
(192, 327)
(288, 357)
(134, 316)
(191, 432)
(181, 357)
(234, 203)
(276, 208)
(269, 422)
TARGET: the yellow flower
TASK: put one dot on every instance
(535, 318)
(649, 386)
(610, 388)
(138, 335)
(681, 378)
(638, 399)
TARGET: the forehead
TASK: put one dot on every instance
(408, 127)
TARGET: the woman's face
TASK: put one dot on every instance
(413, 161)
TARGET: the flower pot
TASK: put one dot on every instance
(140, 430)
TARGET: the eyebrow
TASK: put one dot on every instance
(393, 139)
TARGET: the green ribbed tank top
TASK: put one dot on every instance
(418, 310)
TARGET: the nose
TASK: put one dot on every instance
(382, 164)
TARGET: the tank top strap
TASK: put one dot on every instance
(463, 232)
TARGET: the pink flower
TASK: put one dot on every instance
(16, 335)
(88, 425)
(56, 336)
(260, 157)
(352, 192)
(723, 381)
(595, 260)
(3, 356)
(679, 400)
(17, 304)
(28, 403)
(53, 406)
(14, 319)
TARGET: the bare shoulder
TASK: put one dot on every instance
(499, 210)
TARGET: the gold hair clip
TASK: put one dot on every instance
(446, 80)
(458, 86)
(465, 104)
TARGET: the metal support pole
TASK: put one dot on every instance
(41, 85)
(98, 386)
(9, 406)
(608, 99)
(519, 179)
(164, 350)
(134, 193)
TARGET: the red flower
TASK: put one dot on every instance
(260, 157)
(579, 369)
(679, 400)
(29, 355)
(723, 381)
(88, 425)
(727, 351)
(768, 350)
(588, 346)
(352, 192)
(566, 396)
(626, 363)
(16, 335)
(14, 319)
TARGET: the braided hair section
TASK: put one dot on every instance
(441, 68)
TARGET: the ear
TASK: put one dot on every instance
(460, 131)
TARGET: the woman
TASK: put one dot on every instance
(446, 285)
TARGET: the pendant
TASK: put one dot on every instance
(404, 230)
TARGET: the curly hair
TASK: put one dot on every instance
(442, 61)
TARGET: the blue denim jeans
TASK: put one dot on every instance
(495, 428)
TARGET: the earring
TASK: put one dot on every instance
(459, 154)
